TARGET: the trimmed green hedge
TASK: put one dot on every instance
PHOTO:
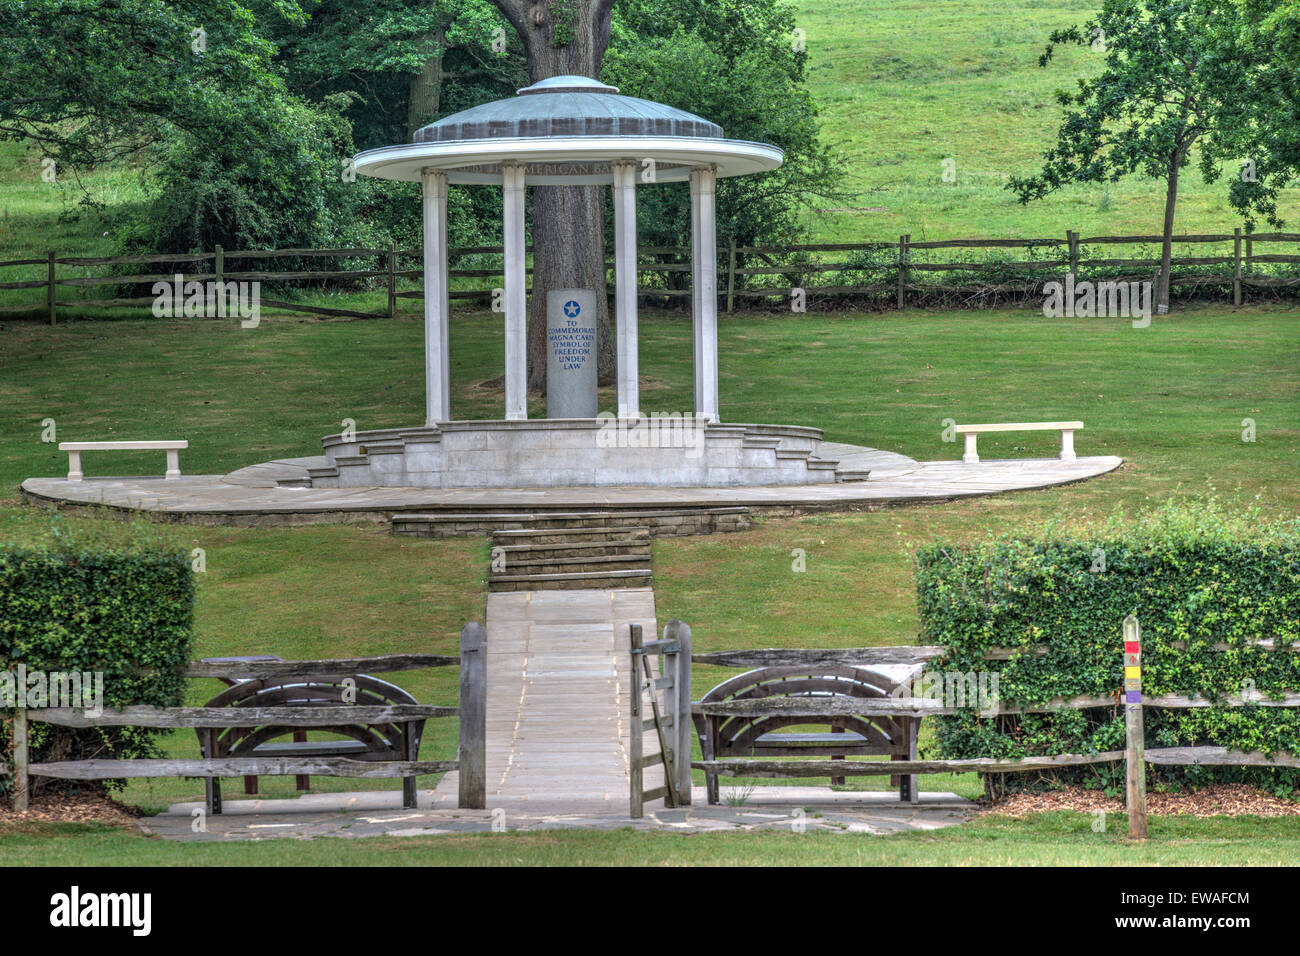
(104, 596)
(1195, 575)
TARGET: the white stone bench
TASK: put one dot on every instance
(1067, 430)
(75, 448)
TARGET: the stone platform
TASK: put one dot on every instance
(282, 493)
(379, 813)
(657, 451)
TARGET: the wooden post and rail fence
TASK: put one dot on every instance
(234, 727)
(812, 708)
(668, 716)
(752, 272)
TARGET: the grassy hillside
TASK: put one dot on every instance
(36, 215)
(906, 84)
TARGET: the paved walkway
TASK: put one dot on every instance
(379, 813)
(559, 679)
(219, 500)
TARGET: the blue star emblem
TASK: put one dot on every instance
(572, 309)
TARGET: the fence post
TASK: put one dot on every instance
(392, 278)
(1072, 240)
(219, 264)
(683, 726)
(49, 297)
(473, 717)
(1134, 762)
(636, 732)
(1236, 266)
(1250, 251)
(20, 757)
(902, 267)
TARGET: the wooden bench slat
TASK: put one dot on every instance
(310, 748)
(823, 706)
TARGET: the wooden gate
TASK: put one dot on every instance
(661, 703)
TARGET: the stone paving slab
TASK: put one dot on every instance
(379, 813)
(213, 500)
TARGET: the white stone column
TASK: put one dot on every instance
(629, 399)
(512, 180)
(437, 313)
(704, 290)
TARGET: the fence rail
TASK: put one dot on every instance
(876, 268)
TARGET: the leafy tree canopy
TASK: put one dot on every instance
(243, 112)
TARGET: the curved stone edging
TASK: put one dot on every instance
(212, 500)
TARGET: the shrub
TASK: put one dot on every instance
(1195, 575)
(89, 596)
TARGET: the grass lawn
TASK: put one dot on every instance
(1049, 839)
(1169, 398)
(905, 84)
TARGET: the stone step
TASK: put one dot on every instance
(570, 536)
(621, 574)
(605, 580)
(532, 564)
(661, 522)
(578, 549)
(852, 474)
(547, 572)
(590, 529)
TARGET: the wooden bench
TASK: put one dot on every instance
(367, 742)
(1067, 430)
(75, 448)
(722, 737)
(299, 736)
(270, 699)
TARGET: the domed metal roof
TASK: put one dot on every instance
(568, 130)
(567, 106)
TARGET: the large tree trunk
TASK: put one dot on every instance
(564, 37)
(1167, 242)
(426, 89)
